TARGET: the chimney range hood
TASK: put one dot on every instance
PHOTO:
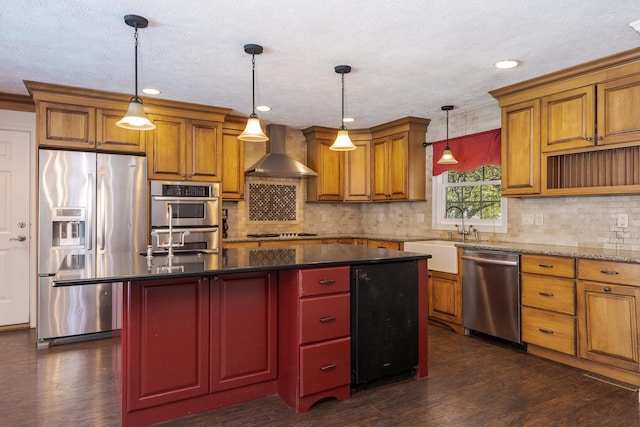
(275, 162)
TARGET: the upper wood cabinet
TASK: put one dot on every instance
(584, 137)
(328, 185)
(521, 148)
(66, 121)
(398, 160)
(233, 158)
(184, 149)
(357, 168)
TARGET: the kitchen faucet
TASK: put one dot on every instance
(169, 245)
(464, 232)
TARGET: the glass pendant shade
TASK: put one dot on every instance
(136, 119)
(253, 131)
(342, 142)
(447, 157)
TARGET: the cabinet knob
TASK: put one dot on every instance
(588, 138)
(90, 142)
(607, 289)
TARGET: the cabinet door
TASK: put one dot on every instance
(330, 172)
(357, 176)
(203, 151)
(66, 126)
(243, 330)
(167, 148)
(619, 111)
(608, 321)
(445, 297)
(167, 348)
(110, 137)
(568, 119)
(379, 169)
(521, 148)
(398, 166)
(232, 165)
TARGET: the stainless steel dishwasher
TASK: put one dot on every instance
(491, 293)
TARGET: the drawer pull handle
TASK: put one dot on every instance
(609, 272)
(546, 331)
(545, 265)
(327, 281)
(328, 367)
(607, 289)
(327, 319)
(545, 294)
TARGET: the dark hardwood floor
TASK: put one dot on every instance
(472, 382)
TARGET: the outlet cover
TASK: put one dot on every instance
(527, 219)
(420, 217)
(539, 219)
(380, 217)
(623, 220)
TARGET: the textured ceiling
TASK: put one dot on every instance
(408, 57)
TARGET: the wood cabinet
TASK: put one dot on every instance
(389, 163)
(314, 347)
(588, 128)
(384, 244)
(398, 161)
(445, 299)
(232, 184)
(243, 327)
(609, 313)
(184, 149)
(548, 302)
(168, 320)
(521, 149)
(71, 125)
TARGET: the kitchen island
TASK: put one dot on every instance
(202, 331)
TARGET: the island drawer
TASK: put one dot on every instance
(324, 317)
(318, 281)
(549, 293)
(548, 265)
(325, 366)
(554, 331)
(622, 273)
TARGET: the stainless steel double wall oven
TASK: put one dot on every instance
(194, 208)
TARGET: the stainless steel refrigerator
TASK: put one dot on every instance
(91, 205)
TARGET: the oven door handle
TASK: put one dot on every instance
(183, 199)
(190, 229)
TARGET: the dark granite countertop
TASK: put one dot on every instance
(92, 269)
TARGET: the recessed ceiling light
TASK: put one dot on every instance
(151, 91)
(263, 108)
(507, 63)
(348, 120)
(635, 25)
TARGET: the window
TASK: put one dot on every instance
(474, 195)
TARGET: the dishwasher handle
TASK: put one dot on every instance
(489, 261)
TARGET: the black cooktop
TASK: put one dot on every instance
(262, 235)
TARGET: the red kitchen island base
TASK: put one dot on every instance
(193, 343)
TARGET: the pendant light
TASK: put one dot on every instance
(253, 132)
(447, 156)
(342, 142)
(135, 118)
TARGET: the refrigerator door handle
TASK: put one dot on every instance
(101, 209)
(90, 219)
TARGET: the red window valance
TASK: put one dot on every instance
(471, 151)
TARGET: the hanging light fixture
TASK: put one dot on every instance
(342, 142)
(447, 156)
(253, 131)
(135, 118)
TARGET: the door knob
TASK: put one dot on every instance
(20, 238)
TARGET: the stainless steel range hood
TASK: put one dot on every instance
(275, 162)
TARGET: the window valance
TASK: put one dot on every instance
(471, 151)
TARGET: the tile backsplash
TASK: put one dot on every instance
(273, 202)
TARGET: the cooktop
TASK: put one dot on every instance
(282, 235)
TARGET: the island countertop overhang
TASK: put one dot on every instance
(86, 269)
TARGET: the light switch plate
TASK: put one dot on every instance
(623, 220)
(527, 219)
(420, 217)
(539, 219)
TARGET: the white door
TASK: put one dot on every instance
(14, 226)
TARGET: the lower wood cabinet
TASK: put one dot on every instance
(314, 357)
(243, 325)
(609, 313)
(445, 299)
(168, 347)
